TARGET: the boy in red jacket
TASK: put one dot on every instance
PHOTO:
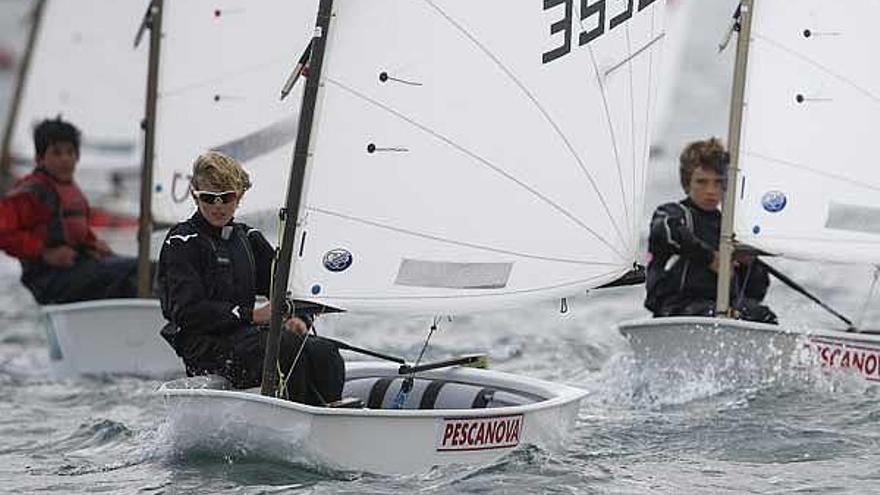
(44, 222)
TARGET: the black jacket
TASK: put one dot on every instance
(682, 242)
(209, 277)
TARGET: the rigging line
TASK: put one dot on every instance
(225, 76)
(579, 282)
(638, 52)
(407, 384)
(599, 80)
(819, 66)
(870, 296)
(453, 242)
(540, 108)
(632, 132)
(799, 166)
(613, 139)
(651, 88)
(479, 159)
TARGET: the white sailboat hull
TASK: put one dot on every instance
(377, 440)
(111, 336)
(733, 345)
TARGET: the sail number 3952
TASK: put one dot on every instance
(593, 13)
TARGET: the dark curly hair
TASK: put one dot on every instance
(52, 131)
(708, 154)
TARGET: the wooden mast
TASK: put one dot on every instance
(11, 119)
(290, 213)
(145, 219)
(737, 101)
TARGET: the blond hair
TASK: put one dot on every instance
(214, 169)
(708, 154)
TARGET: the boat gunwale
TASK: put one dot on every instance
(629, 327)
(132, 302)
(562, 395)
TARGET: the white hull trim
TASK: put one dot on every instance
(700, 342)
(109, 336)
(383, 441)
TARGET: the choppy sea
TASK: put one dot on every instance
(638, 431)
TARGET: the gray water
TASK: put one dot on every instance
(639, 431)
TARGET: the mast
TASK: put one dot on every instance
(145, 219)
(23, 69)
(725, 248)
(290, 213)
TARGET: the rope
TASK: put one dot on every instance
(744, 285)
(407, 384)
(282, 377)
(870, 296)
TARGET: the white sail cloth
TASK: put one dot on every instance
(222, 67)
(810, 186)
(85, 69)
(679, 24)
(453, 167)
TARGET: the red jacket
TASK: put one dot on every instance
(41, 212)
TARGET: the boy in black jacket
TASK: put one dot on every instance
(210, 271)
(682, 273)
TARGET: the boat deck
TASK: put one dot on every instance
(381, 391)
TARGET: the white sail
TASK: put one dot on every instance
(679, 23)
(465, 157)
(85, 68)
(222, 68)
(812, 108)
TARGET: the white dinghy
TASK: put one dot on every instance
(65, 74)
(212, 84)
(77, 335)
(749, 349)
(806, 100)
(455, 415)
(451, 157)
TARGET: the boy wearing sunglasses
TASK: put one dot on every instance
(44, 222)
(211, 269)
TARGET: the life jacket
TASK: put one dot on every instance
(69, 224)
(227, 271)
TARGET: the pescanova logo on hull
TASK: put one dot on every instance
(861, 358)
(479, 433)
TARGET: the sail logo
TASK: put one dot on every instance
(592, 13)
(496, 432)
(337, 260)
(863, 359)
(774, 201)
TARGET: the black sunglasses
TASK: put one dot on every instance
(215, 198)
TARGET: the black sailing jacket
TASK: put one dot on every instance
(209, 277)
(681, 245)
